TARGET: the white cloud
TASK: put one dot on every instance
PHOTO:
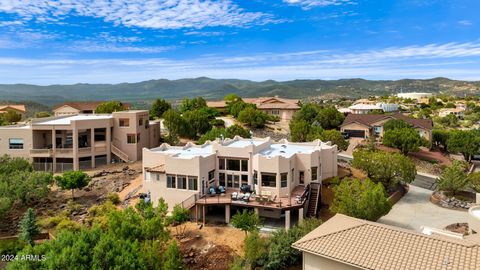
(157, 14)
(87, 46)
(308, 4)
(454, 60)
(465, 22)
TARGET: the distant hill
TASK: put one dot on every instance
(217, 88)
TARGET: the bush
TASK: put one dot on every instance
(474, 179)
(255, 249)
(360, 199)
(113, 197)
(247, 221)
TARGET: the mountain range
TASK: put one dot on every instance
(141, 92)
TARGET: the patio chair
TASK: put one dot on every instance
(221, 189)
(246, 197)
(212, 191)
(235, 196)
(246, 189)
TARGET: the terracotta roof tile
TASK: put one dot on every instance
(19, 107)
(85, 105)
(371, 245)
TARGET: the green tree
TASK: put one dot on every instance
(360, 199)
(450, 120)
(299, 130)
(42, 114)
(198, 121)
(159, 107)
(235, 130)
(110, 107)
(173, 257)
(281, 254)
(405, 139)
(28, 227)
(72, 180)
(335, 137)
(440, 138)
(11, 117)
(465, 142)
(474, 179)
(329, 117)
(247, 221)
(253, 117)
(256, 249)
(453, 178)
(229, 132)
(387, 168)
(174, 122)
(192, 104)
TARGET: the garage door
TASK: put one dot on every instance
(355, 133)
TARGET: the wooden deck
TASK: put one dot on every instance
(274, 203)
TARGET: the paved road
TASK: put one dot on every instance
(415, 210)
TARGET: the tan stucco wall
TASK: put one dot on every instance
(16, 133)
(315, 262)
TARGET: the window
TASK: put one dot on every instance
(171, 181)
(140, 121)
(236, 181)
(138, 137)
(192, 183)
(244, 165)
(157, 176)
(233, 164)
(255, 177)
(131, 138)
(124, 122)
(221, 163)
(229, 180)
(244, 179)
(182, 182)
(211, 174)
(283, 179)
(314, 173)
(269, 179)
(275, 112)
(15, 143)
(221, 178)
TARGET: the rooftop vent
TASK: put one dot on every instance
(284, 146)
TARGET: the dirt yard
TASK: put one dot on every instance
(210, 247)
(105, 179)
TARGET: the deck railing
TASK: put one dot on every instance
(190, 201)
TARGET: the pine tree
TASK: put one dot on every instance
(28, 227)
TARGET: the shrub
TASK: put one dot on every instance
(474, 179)
(360, 199)
(113, 197)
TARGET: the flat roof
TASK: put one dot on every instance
(287, 150)
(187, 153)
(245, 142)
(69, 119)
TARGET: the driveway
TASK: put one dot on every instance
(228, 121)
(353, 142)
(415, 210)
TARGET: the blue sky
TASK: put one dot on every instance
(101, 41)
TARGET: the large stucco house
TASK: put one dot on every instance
(280, 177)
(282, 107)
(366, 125)
(18, 108)
(81, 141)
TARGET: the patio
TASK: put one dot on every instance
(256, 201)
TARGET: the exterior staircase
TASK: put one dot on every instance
(313, 199)
(119, 153)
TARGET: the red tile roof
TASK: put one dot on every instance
(369, 119)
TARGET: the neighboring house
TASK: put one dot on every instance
(418, 97)
(344, 242)
(364, 108)
(279, 173)
(18, 108)
(79, 107)
(81, 141)
(459, 112)
(364, 101)
(388, 107)
(365, 125)
(282, 107)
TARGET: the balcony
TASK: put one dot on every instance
(41, 152)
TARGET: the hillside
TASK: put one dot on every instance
(217, 88)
